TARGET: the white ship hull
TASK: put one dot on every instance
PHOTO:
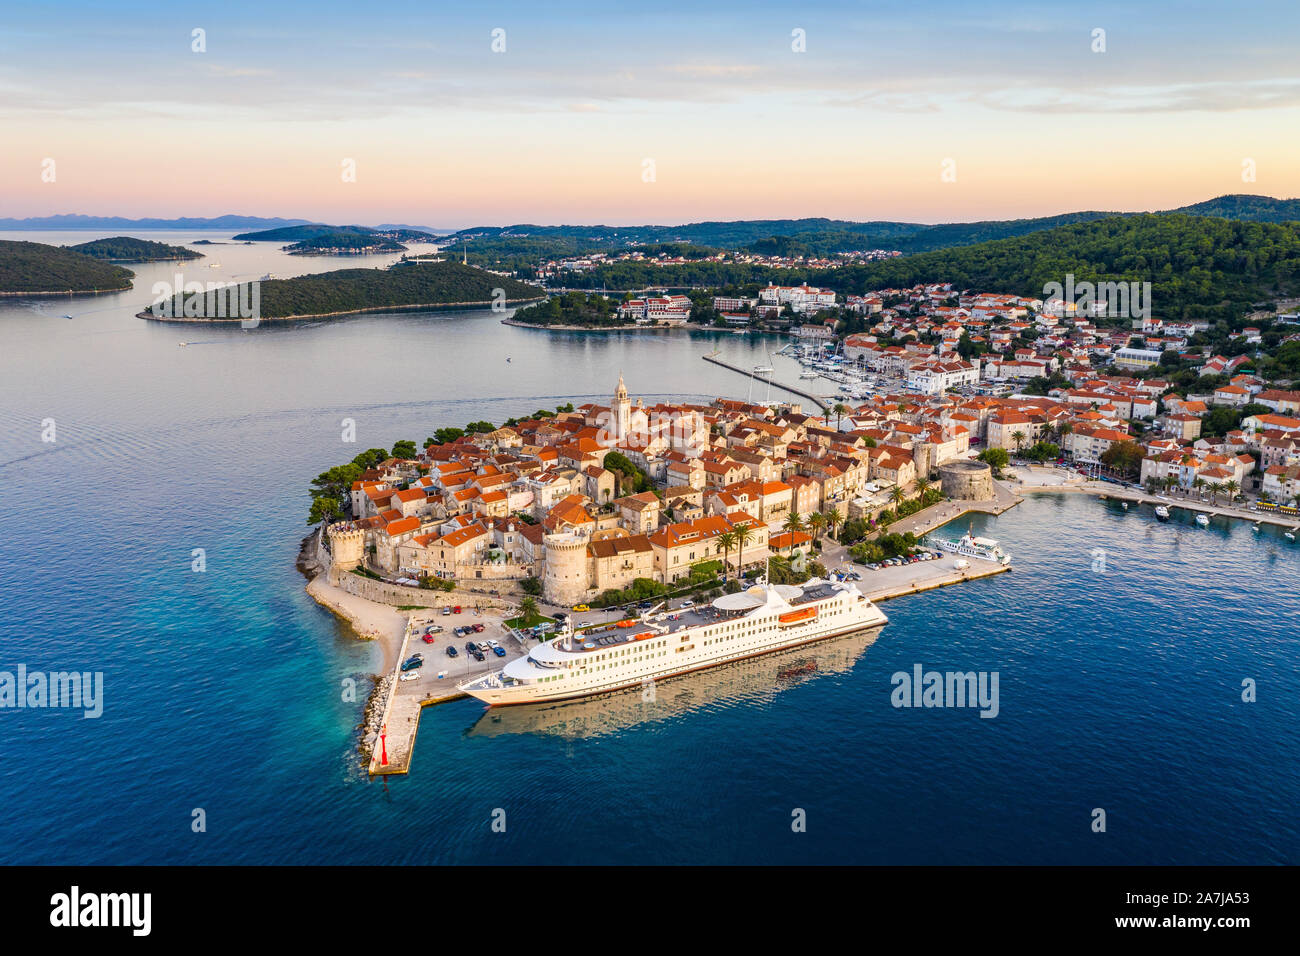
(566, 669)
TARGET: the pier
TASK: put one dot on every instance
(884, 584)
(400, 720)
(767, 380)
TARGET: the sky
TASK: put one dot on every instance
(452, 115)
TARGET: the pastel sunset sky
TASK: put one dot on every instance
(446, 132)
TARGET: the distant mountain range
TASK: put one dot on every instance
(822, 236)
(816, 236)
(73, 221)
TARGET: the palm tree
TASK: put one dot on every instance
(528, 609)
(1019, 438)
(816, 524)
(793, 522)
(897, 496)
(1215, 488)
(922, 486)
(744, 534)
(839, 409)
(726, 541)
(1199, 484)
(1231, 488)
(832, 516)
(1062, 430)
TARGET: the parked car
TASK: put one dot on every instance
(428, 638)
(499, 651)
(446, 610)
(456, 609)
(471, 646)
(451, 651)
(410, 675)
(687, 604)
(561, 616)
(478, 656)
(478, 628)
(433, 629)
(581, 607)
(412, 665)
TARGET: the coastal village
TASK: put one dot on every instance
(608, 504)
(537, 500)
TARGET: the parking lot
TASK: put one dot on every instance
(441, 671)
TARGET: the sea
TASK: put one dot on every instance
(153, 498)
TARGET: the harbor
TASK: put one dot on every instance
(765, 377)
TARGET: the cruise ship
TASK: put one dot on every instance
(756, 679)
(661, 644)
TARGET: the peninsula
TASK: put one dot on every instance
(34, 268)
(410, 285)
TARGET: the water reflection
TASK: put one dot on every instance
(727, 684)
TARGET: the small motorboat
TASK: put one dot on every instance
(182, 344)
(1124, 505)
(1258, 526)
(1162, 512)
(1202, 520)
(67, 316)
(1289, 535)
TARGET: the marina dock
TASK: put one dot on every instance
(768, 380)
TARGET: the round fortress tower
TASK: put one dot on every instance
(565, 576)
(967, 480)
(347, 545)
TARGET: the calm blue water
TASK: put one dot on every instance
(1119, 690)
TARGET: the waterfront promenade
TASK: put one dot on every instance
(1041, 480)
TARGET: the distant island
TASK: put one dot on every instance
(322, 239)
(128, 249)
(404, 285)
(34, 268)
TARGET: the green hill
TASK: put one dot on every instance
(403, 285)
(1244, 206)
(129, 249)
(318, 230)
(1199, 266)
(33, 267)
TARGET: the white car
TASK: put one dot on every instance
(493, 644)
(410, 675)
(686, 604)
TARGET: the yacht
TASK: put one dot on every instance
(970, 546)
(1162, 512)
(759, 620)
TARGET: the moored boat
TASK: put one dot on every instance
(970, 546)
(1162, 512)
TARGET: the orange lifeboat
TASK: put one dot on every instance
(797, 616)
